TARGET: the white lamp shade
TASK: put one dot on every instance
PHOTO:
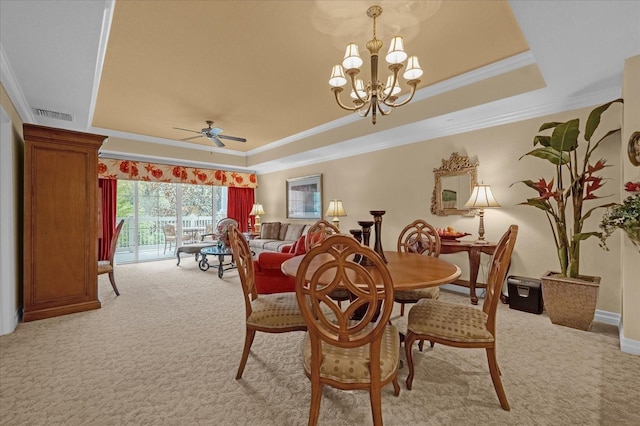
(387, 87)
(360, 89)
(481, 197)
(396, 54)
(352, 57)
(413, 69)
(256, 210)
(335, 209)
(337, 78)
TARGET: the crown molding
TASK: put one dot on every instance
(517, 108)
(107, 17)
(11, 85)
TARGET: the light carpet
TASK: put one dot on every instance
(166, 352)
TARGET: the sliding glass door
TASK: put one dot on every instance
(159, 217)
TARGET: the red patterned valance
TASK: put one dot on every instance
(137, 170)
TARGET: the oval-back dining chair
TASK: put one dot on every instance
(269, 313)
(317, 233)
(342, 349)
(107, 266)
(465, 326)
(421, 238)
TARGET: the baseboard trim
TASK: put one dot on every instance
(628, 346)
(607, 317)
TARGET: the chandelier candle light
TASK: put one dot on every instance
(481, 198)
(256, 211)
(374, 95)
(336, 209)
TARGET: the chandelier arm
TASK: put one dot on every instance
(336, 91)
(368, 110)
(394, 68)
(352, 74)
(413, 84)
(382, 111)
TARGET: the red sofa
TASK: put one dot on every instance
(269, 276)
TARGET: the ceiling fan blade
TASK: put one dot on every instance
(232, 138)
(186, 130)
(217, 141)
(192, 137)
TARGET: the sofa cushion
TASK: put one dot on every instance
(270, 231)
(275, 245)
(283, 232)
(294, 231)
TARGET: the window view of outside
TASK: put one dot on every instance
(161, 216)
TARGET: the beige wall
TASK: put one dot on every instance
(630, 256)
(11, 277)
(401, 181)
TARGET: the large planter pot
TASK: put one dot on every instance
(570, 301)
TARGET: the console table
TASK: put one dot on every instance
(473, 249)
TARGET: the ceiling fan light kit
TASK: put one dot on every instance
(375, 97)
(212, 133)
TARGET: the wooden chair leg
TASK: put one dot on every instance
(396, 386)
(248, 341)
(408, 343)
(495, 377)
(113, 283)
(375, 395)
(316, 397)
(402, 309)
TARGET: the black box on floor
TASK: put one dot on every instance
(525, 294)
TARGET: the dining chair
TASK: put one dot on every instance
(465, 326)
(316, 234)
(269, 313)
(107, 266)
(422, 238)
(170, 237)
(342, 350)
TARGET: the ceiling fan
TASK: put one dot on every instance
(213, 133)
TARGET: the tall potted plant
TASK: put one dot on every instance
(570, 298)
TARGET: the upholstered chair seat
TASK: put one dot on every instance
(279, 310)
(412, 296)
(450, 321)
(352, 365)
(104, 267)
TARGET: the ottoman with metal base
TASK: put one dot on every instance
(192, 249)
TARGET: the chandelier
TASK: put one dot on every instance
(375, 97)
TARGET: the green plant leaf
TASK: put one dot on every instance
(549, 125)
(583, 236)
(542, 140)
(537, 203)
(549, 153)
(565, 136)
(594, 119)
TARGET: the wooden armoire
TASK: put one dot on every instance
(60, 222)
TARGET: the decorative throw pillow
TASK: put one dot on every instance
(270, 230)
(298, 247)
(294, 232)
(283, 231)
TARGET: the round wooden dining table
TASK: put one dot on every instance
(408, 270)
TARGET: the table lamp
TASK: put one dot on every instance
(481, 198)
(256, 211)
(336, 210)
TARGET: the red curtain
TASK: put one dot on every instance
(107, 215)
(240, 201)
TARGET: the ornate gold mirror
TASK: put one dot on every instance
(455, 180)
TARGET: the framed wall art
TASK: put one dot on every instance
(304, 197)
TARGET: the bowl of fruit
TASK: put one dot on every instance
(449, 233)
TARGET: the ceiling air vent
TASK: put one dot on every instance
(53, 114)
